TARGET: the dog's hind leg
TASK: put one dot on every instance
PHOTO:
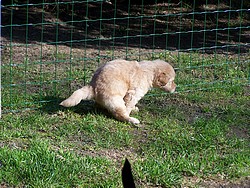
(122, 115)
(116, 106)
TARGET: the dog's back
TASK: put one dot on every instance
(113, 79)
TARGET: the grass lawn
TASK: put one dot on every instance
(184, 140)
(193, 138)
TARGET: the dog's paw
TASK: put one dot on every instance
(64, 103)
(68, 103)
(134, 120)
(136, 109)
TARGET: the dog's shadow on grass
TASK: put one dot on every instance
(51, 105)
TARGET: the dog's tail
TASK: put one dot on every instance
(85, 93)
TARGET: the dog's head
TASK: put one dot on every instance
(164, 76)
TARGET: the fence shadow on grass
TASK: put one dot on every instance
(85, 107)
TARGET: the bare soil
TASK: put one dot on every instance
(92, 30)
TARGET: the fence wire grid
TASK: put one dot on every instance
(50, 47)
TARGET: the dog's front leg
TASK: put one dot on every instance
(131, 99)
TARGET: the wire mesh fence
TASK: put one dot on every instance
(51, 47)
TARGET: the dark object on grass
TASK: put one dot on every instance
(127, 177)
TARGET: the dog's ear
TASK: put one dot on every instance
(162, 79)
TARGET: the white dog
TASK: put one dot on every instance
(119, 84)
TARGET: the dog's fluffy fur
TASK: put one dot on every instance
(119, 85)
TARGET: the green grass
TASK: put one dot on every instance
(40, 166)
(202, 134)
(29, 82)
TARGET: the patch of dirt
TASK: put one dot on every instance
(247, 91)
(212, 183)
(117, 155)
(21, 144)
(92, 26)
(240, 132)
(226, 184)
(187, 111)
(4, 185)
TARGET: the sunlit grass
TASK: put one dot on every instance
(203, 134)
